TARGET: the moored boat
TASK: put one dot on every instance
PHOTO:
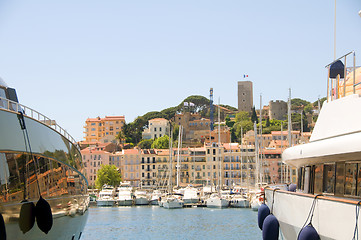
(125, 194)
(40, 165)
(106, 196)
(326, 200)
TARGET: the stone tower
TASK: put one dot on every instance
(278, 110)
(245, 96)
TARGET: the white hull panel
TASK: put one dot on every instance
(126, 202)
(172, 204)
(191, 200)
(331, 219)
(105, 203)
(141, 201)
(217, 203)
(239, 203)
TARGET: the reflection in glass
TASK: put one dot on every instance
(350, 178)
(329, 178)
(318, 178)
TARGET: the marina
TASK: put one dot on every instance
(153, 222)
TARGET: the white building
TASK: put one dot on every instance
(157, 127)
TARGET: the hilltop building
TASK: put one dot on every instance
(104, 130)
(278, 110)
(245, 96)
(157, 127)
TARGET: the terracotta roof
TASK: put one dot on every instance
(158, 119)
(131, 151)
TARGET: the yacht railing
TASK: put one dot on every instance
(29, 112)
(334, 85)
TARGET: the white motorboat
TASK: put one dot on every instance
(156, 194)
(327, 197)
(239, 201)
(172, 201)
(106, 196)
(125, 194)
(141, 197)
(191, 195)
(217, 201)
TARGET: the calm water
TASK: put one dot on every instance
(154, 222)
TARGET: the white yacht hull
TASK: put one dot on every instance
(217, 203)
(105, 203)
(154, 202)
(332, 219)
(190, 200)
(239, 203)
(125, 202)
(172, 204)
(141, 201)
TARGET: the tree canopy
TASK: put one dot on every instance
(107, 174)
(161, 142)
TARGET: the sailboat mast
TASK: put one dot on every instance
(241, 156)
(260, 139)
(179, 140)
(170, 170)
(289, 127)
(219, 145)
(256, 152)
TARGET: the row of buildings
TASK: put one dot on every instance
(230, 163)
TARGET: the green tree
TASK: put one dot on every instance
(107, 174)
(161, 142)
(254, 117)
(145, 144)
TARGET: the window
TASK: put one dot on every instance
(155, 129)
(160, 129)
(328, 178)
(318, 178)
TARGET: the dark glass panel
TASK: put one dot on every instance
(350, 178)
(328, 178)
(318, 178)
(340, 177)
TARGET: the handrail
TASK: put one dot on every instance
(37, 116)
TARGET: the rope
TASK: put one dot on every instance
(355, 233)
(273, 199)
(23, 127)
(310, 214)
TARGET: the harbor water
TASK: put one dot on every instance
(153, 222)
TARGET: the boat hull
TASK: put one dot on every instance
(141, 201)
(333, 218)
(172, 204)
(60, 178)
(125, 202)
(217, 203)
(239, 203)
(105, 203)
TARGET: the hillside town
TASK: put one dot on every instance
(206, 152)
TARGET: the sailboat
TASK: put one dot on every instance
(173, 200)
(216, 200)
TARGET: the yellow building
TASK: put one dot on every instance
(103, 129)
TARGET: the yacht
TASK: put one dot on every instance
(239, 198)
(141, 197)
(191, 195)
(125, 194)
(172, 201)
(41, 175)
(106, 196)
(217, 201)
(327, 199)
(154, 198)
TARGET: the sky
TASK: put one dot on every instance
(73, 60)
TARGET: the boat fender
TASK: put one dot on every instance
(2, 228)
(308, 233)
(27, 216)
(44, 217)
(263, 212)
(292, 187)
(270, 228)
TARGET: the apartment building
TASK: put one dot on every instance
(93, 158)
(130, 166)
(157, 127)
(103, 129)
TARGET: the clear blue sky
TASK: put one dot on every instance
(72, 60)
